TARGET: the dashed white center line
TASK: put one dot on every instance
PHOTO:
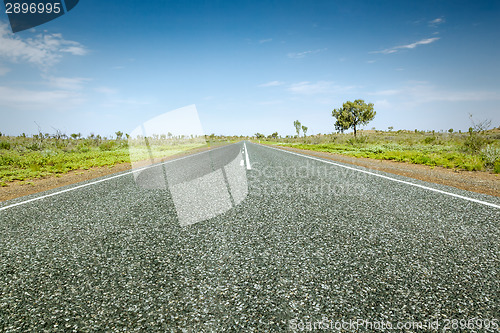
(247, 159)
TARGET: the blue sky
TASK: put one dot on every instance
(252, 66)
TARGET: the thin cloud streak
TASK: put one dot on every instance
(36, 100)
(68, 83)
(300, 55)
(262, 41)
(271, 84)
(436, 22)
(408, 46)
(419, 94)
(319, 87)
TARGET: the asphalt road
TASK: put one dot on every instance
(257, 240)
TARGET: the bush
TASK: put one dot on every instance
(357, 140)
(430, 139)
(107, 146)
(496, 167)
(33, 146)
(490, 155)
(474, 143)
(4, 145)
(82, 147)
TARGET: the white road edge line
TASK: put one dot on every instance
(386, 177)
(106, 179)
(247, 159)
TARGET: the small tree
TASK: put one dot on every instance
(450, 130)
(274, 135)
(390, 128)
(304, 129)
(342, 122)
(119, 135)
(297, 125)
(476, 141)
(353, 114)
(259, 135)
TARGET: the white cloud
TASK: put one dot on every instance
(35, 100)
(420, 42)
(382, 104)
(436, 22)
(272, 84)
(265, 40)
(388, 92)
(75, 49)
(320, 87)
(408, 46)
(425, 93)
(106, 90)
(43, 50)
(299, 55)
(309, 88)
(67, 83)
(272, 102)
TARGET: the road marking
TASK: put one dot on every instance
(247, 159)
(106, 179)
(386, 177)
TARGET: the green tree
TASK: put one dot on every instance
(353, 114)
(119, 135)
(274, 135)
(343, 119)
(259, 135)
(304, 129)
(297, 125)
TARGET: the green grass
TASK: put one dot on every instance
(472, 152)
(25, 158)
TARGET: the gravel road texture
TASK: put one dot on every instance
(310, 240)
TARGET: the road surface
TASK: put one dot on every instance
(276, 240)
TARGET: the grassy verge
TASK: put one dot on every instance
(23, 158)
(470, 151)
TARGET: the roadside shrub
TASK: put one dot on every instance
(474, 142)
(8, 159)
(357, 140)
(490, 155)
(82, 147)
(496, 167)
(377, 149)
(430, 140)
(4, 145)
(33, 146)
(107, 146)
